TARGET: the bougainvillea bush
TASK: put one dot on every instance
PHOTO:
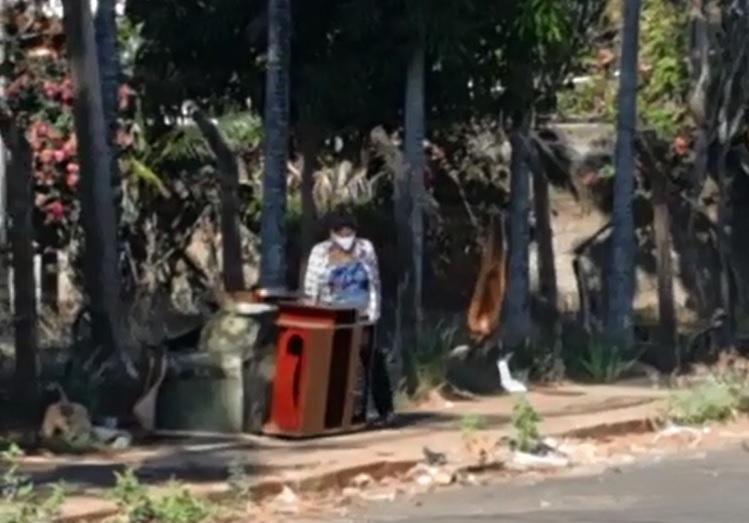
(39, 96)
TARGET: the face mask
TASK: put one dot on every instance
(344, 242)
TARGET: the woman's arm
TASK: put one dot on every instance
(313, 274)
(369, 257)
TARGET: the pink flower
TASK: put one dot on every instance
(50, 89)
(72, 179)
(55, 210)
(46, 156)
(59, 155)
(70, 146)
(41, 130)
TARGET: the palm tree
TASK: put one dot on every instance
(273, 214)
(107, 57)
(412, 191)
(621, 275)
(97, 204)
(21, 210)
(517, 321)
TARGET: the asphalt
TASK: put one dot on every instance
(700, 489)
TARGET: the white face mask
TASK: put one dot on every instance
(344, 242)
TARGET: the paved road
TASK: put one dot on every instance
(711, 489)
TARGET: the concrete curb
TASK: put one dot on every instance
(378, 470)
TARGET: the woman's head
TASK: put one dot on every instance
(341, 225)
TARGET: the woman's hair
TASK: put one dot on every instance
(340, 218)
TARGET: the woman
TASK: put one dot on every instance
(343, 270)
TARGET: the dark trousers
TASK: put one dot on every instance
(374, 380)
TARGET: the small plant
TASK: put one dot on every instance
(525, 422)
(132, 498)
(431, 354)
(239, 483)
(471, 423)
(19, 502)
(176, 505)
(602, 363)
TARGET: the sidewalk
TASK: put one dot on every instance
(331, 461)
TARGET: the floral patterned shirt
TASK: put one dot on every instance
(318, 267)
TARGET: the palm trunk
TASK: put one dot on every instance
(547, 275)
(664, 270)
(273, 214)
(517, 322)
(97, 204)
(20, 196)
(108, 60)
(724, 219)
(4, 272)
(414, 144)
(310, 140)
(107, 56)
(621, 276)
(231, 244)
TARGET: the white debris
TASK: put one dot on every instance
(362, 480)
(287, 496)
(525, 460)
(508, 383)
(672, 429)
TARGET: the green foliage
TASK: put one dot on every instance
(718, 399)
(664, 79)
(470, 423)
(430, 356)
(239, 482)
(599, 362)
(525, 420)
(20, 501)
(176, 505)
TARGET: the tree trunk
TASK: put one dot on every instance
(273, 214)
(98, 214)
(621, 276)
(725, 233)
(415, 157)
(231, 243)
(547, 274)
(517, 322)
(107, 55)
(4, 262)
(669, 345)
(310, 140)
(21, 198)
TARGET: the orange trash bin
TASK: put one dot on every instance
(322, 368)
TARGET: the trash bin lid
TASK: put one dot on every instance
(276, 293)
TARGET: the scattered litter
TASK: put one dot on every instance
(424, 480)
(672, 429)
(362, 481)
(287, 497)
(379, 496)
(508, 383)
(525, 460)
(434, 458)
(444, 477)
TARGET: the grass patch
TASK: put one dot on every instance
(428, 358)
(470, 423)
(176, 505)
(718, 399)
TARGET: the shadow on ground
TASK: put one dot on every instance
(207, 460)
